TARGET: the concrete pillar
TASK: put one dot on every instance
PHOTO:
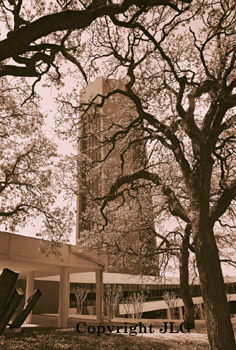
(168, 315)
(99, 295)
(180, 312)
(29, 290)
(63, 298)
(201, 312)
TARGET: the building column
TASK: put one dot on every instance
(99, 296)
(29, 290)
(168, 315)
(201, 312)
(63, 298)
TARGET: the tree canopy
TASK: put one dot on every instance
(28, 185)
(177, 59)
(179, 73)
(37, 32)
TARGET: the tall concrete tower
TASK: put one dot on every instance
(107, 151)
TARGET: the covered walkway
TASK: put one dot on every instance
(23, 255)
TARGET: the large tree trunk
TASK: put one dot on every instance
(184, 281)
(217, 314)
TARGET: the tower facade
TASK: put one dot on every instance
(109, 149)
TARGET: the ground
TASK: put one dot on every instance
(68, 339)
(47, 337)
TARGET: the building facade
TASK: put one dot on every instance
(109, 149)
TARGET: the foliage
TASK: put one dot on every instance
(171, 300)
(28, 183)
(112, 297)
(133, 304)
(80, 295)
